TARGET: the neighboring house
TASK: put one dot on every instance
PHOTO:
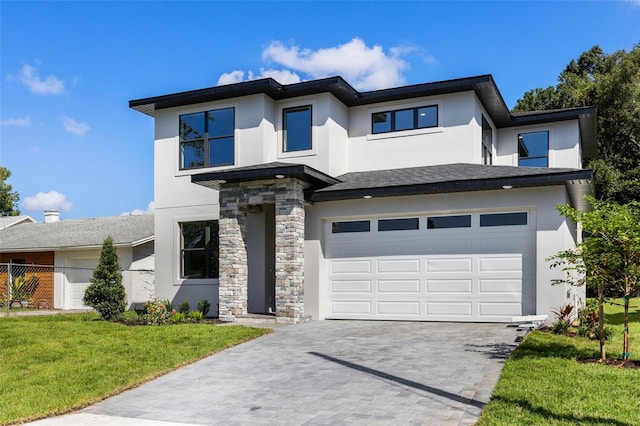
(7, 221)
(429, 202)
(71, 250)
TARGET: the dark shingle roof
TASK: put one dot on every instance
(442, 179)
(77, 233)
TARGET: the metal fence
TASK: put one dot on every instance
(32, 287)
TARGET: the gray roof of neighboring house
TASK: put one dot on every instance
(7, 221)
(77, 233)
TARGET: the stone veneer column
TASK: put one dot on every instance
(233, 268)
(289, 251)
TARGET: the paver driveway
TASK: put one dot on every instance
(332, 372)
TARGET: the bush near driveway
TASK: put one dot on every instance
(55, 364)
(543, 383)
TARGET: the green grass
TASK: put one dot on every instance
(543, 384)
(54, 364)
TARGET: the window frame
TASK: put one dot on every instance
(513, 214)
(335, 224)
(206, 140)
(393, 121)
(533, 157)
(487, 142)
(285, 110)
(211, 252)
(394, 222)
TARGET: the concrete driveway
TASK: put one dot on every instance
(326, 373)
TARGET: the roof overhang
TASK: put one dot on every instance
(270, 171)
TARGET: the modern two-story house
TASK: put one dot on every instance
(429, 202)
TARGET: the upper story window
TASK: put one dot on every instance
(404, 119)
(533, 149)
(487, 142)
(206, 138)
(297, 129)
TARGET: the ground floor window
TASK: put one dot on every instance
(199, 249)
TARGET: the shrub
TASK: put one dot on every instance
(131, 318)
(204, 306)
(563, 314)
(184, 307)
(196, 316)
(177, 317)
(106, 293)
(156, 312)
(559, 327)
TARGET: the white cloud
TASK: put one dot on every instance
(52, 200)
(135, 212)
(18, 122)
(365, 67)
(72, 126)
(231, 77)
(51, 85)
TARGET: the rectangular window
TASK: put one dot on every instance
(487, 142)
(533, 149)
(398, 224)
(353, 226)
(207, 138)
(199, 249)
(444, 222)
(297, 129)
(404, 119)
(503, 219)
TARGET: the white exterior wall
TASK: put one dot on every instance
(564, 144)
(456, 140)
(137, 286)
(540, 202)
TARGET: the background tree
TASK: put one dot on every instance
(609, 259)
(106, 293)
(8, 198)
(610, 82)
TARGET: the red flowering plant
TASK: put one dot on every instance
(157, 312)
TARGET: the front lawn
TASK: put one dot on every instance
(543, 384)
(54, 364)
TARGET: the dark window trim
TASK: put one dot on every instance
(210, 270)
(415, 119)
(206, 140)
(335, 226)
(533, 157)
(515, 215)
(400, 221)
(284, 127)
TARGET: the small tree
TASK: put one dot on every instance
(609, 259)
(106, 293)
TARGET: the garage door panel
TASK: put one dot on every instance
(500, 286)
(350, 266)
(353, 308)
(351, 286)
(449, 309)
(488, 309)
(399, 286)
(439, 264)
(449, 286)
(498, 264)
(408, 308)
(396, 266)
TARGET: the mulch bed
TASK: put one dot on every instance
(613, 362)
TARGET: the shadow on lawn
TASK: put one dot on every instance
(618, 317)
(550, 415)
(540, 346)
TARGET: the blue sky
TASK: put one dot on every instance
(68, 70)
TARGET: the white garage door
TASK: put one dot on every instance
(78, 272)
(463, 267)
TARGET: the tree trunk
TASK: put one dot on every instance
(603, 348)
(625, 340)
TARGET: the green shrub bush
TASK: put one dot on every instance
(196, 316)
(184, 307)
(204, 306)
(156, 312)
(106, 293)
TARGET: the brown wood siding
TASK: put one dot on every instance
(39, 264)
